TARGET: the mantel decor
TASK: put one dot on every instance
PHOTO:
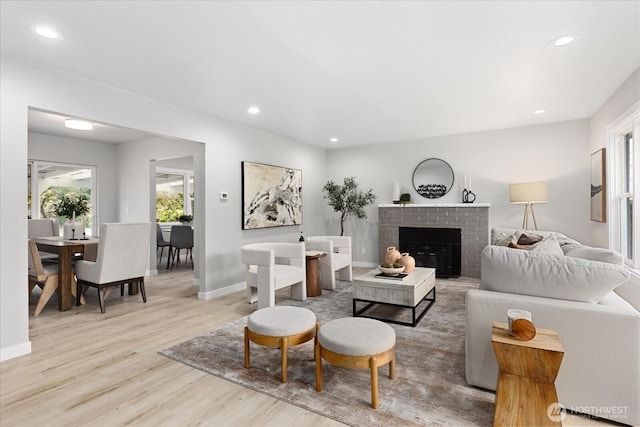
(433, 178)
(598, 186)
(271, 196)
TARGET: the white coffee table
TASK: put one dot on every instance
(418, 286)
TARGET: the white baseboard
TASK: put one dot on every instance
(15, 351)
(223, 291)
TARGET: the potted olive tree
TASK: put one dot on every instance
(348, 199)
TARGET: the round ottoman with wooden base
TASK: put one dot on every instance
(279, 327)
(356, 342)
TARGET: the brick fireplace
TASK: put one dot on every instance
(471, 218)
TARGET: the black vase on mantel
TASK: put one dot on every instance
(301, 239)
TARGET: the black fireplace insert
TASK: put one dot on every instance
(438, 248)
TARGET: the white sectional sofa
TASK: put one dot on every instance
(581, 292)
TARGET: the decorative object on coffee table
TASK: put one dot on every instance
(392, 255)
(527, 372)
(407, 261)
(356, 343)
(391, 271)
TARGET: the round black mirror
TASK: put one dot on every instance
(433, 178)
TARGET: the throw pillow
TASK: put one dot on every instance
(517, 246)
(548, 245)
(529, 239)
(503, 239)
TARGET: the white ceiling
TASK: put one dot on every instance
(363, 71)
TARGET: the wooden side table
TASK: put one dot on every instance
(313, 273)
(527, 372)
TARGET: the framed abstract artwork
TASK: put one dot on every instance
(598, 186)
(271, 196)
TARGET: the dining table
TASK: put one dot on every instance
(67, 249)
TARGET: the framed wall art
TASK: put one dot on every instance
(598, 186)
(271, 196)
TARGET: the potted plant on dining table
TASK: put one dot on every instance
(72, 206)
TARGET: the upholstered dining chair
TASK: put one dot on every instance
(338, 259)
(160, 242)
(123, 249)
(273, 266)
(181, 238)
(43, 276)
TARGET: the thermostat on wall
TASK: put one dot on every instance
(224, 195)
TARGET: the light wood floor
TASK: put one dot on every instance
(87, 368)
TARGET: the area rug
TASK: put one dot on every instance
(429, 388)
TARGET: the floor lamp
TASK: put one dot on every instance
(528, 193)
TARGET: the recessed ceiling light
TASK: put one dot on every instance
(563, 41)
(334, 140)
(78, 124)
(540, 111)
(47, 32)
(253, 110)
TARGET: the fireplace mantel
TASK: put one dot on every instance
(471, 218)
(437, 205)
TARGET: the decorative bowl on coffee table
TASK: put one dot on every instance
(393, 271)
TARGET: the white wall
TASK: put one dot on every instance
(25, 85)
(623, 98)
(556, 153)
(69, 150)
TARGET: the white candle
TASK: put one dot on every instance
(465, 181)
(74, 216)
(469, 188)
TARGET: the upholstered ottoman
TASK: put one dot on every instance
(356, 342)
(279, 327)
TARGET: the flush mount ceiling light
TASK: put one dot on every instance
(46, 32)
(563, 41)
(540, 111)
(78, 124)
(253, 110)
(334, 140)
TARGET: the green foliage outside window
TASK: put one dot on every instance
(58, 202)
(169, 206)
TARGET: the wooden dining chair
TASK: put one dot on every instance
(45, 277)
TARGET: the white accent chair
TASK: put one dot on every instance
(273, 266)
(338, 260)
(123, 249)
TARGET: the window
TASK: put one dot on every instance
(174, 194)
(625, 225)
(51, 181)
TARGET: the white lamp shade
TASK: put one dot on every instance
(528, 192)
